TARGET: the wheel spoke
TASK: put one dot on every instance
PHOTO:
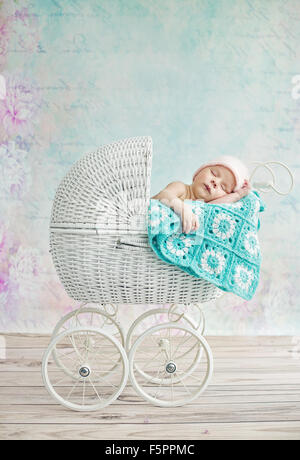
(108, 383)
(170, 345)
(61, 380)
(83, 392)
(190, 349)
(155, 342)
(181, 380)
(99, 397)
(190, 376)
(181, 345)
(161, 381)
(67, 355)
(72, 389)
(77, 321)
(71, 339)
(110, 361)
(172, 391)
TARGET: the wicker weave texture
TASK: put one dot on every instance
(98, 233)
(107, 187)
(98, 268)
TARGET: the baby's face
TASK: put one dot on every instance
(213, 182)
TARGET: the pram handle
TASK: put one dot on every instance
(270, 185)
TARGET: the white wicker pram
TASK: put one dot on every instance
(99, 245)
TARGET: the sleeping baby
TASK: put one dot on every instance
(225, 180)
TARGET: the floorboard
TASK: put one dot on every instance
(254, 394)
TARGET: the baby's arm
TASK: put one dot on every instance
(234, 196)
(170, 197)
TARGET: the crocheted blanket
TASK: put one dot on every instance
(224, 250)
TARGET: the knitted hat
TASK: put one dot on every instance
(238, 169)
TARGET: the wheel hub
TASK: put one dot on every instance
(170, 367)
(84, 371)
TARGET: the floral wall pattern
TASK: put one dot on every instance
(202, 78)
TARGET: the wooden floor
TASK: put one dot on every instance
(254, 394)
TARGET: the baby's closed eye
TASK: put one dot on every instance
(224, 186)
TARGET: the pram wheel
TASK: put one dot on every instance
(164, 365)
(159, 316)
(90, 370)
(88, 316)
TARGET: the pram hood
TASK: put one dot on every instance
(106, 190)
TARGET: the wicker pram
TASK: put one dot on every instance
(99, 245)
(98, 233)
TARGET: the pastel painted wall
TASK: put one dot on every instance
(203, 78)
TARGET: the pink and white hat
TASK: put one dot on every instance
(235, 165)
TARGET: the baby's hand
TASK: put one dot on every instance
(189, 220)
(245, 189)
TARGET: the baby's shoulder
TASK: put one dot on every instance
(183, 190)
(178, 188)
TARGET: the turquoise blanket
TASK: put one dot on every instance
(225, 250)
